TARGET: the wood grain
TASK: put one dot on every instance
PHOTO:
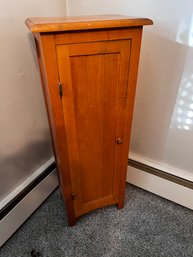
(96, 61)
(95, 107)
(50, 85)
(56, 24)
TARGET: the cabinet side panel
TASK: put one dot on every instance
(50, 79)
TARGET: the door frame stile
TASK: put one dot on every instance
(131, 90)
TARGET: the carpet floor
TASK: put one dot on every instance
(148, 226)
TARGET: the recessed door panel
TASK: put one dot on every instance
(95, 79)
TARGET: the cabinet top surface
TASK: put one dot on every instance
(70, 23)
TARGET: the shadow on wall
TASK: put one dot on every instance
(18, 166)
(179, 147)
(32, 46)
(161, 70)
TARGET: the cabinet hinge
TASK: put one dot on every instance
(60, 89)
(72, 195)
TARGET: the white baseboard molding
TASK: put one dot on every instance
(174, 192)
(16, 217)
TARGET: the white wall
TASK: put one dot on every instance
(162, 132)
(25, 142)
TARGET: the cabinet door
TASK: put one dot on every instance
(94, 77)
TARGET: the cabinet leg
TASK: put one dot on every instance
(71, 222)
(120, 205)
(121, 201)
(61, 194)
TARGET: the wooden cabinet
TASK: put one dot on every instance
(89, 70)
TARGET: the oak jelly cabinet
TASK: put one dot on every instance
(89, 70)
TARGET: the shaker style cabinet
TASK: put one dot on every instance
(89, 69)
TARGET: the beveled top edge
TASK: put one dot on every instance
(54, 24)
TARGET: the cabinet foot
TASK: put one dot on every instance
(120, 205)
(72, 222)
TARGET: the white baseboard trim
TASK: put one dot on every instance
(16, 217)
(162, 187)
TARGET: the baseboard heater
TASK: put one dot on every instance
(15, 213)
(160, 173)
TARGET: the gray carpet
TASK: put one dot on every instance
(147, 226)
